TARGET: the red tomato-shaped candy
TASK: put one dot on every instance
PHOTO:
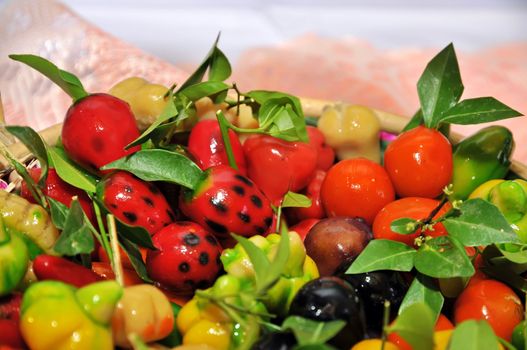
(409, 207)
(419, 162)
(356, 187)
(492, 301)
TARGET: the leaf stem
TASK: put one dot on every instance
(104, 236)
(116, 261)
(224, 129)
(435, 211)
(238, 94)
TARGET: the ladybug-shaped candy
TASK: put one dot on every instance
(228, 202)
(188, 257)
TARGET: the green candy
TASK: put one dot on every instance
(481, 157)
(14, 259)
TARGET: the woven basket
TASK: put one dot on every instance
(389, 122)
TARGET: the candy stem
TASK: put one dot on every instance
(224, 129)
(116, 261)
(385, 320)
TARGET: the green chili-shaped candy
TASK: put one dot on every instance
(14, 257)
(479, 158)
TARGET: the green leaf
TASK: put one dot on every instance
(384, 254)
(207, 88)
(70, 172)
(160, 165)
(423, 290)
(310, 332)
(258, 258)
(404, 226)
(220, 68)
(65, 80)
(443, 257)
(514, 252)
(295, 200)
(135, 234)
(279, 116)
(480, 223)
(478, 110)
(416, 325)
(134, 254)
(279, 262)
(76, 237)
(32, 140)
(473, 335)
(416, 120)
(439, 87)
(261, 96)
(59, 212)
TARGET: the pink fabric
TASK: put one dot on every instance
(50, 29)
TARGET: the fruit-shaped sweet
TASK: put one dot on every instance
(334, 243)
(135, 202)
(206, 145)
(330, 298)
(59, 190)
(55, 315)
(226, 201)
(187, 257)
(278, 166)
(374, 288)
(96, 130)
(419, 162)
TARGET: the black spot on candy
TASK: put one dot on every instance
(189, 283)
(97, 144)
(216, 227)
(259, 229)
(211, 239)
(268, 221)
(218, 204)
(239, 190)
(148, 201)
(113, 205)
(128, 189)
(130, 216)
(257, 201)
(244, 180)
(244, 217)
(204, 258)
(191, 239)
(184, 267)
